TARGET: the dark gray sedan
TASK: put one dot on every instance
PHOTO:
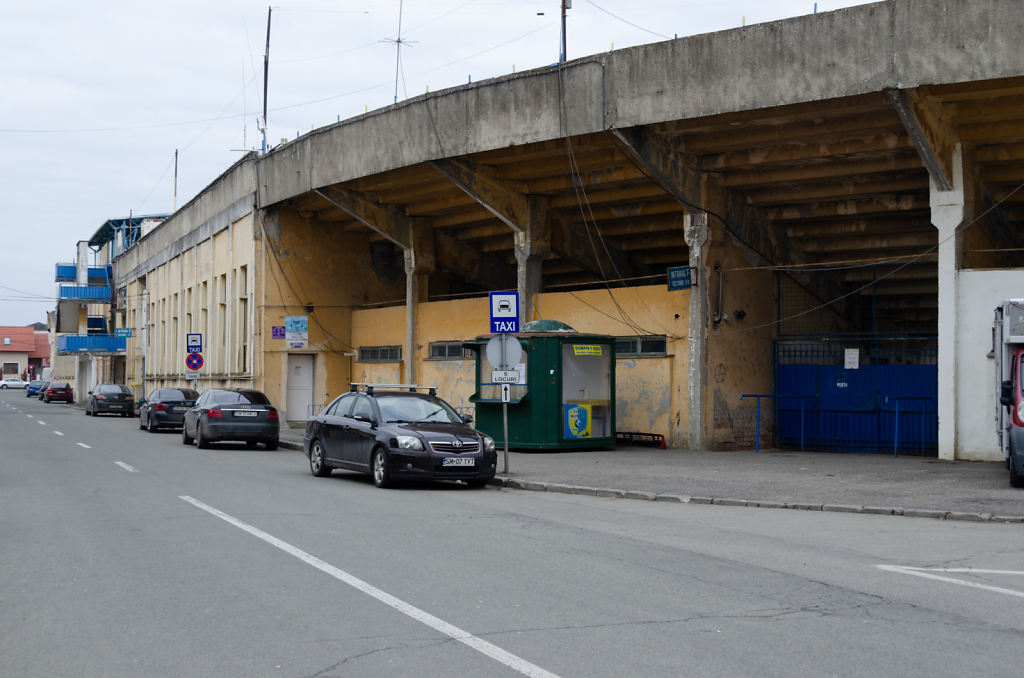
(165, 408)
(232, 414)
(110, 398)
(398, 435)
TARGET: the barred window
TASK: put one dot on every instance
(380, 354)
(651, 345)
(449, 350)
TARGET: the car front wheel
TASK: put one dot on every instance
(186, 439)
(317, 466)
(381, 474)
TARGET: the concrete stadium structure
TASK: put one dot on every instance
(855, 173)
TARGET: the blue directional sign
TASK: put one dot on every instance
(504, 312)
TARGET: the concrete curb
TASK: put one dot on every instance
(611, 493)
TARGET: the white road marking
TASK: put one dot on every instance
(126, 467)
(58, 433)
(493, 651)
(30, 416)
(40, 421)
(84, 445)
(930, 573)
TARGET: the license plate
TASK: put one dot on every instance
(457, 461)
(180, 409)
(246, 413)
(114, 407)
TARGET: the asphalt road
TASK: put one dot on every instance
(124, 553)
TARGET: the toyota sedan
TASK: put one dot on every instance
(398, 435)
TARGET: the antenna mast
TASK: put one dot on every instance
(266, 66)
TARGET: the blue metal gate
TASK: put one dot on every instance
(882, 398)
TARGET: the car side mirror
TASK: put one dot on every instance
(467, 418)
(1006, 393)
(90, 392)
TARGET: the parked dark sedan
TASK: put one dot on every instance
(165, 408)
(58, 390)
(110, 398)
(42, 390)
(395, 435)
(231, 414)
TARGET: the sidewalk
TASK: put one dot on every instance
(832, 481)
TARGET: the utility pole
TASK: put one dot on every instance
(175, 181)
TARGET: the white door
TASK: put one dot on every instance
(299, 386)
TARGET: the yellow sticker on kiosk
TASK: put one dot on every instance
(587, 349)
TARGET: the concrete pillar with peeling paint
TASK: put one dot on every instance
(947, 214)
(695, 232)
(532, 247)
(420, 262)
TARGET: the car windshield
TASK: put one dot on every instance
(175, 395)
(410, 408)
(112, 389)
(241, 397)
(58, 384)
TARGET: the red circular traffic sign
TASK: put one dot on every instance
(194, 361)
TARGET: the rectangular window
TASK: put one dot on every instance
(449, 350)
(645, 346)
(380, 354)
(10, 368)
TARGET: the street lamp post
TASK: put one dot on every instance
(566, 4)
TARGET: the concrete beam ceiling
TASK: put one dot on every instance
(841, 177)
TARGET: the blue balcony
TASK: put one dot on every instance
(70, 344)
(97, 294)
(69, 273)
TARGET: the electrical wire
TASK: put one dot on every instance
(614, 16)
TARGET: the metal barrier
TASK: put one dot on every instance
(757, 423)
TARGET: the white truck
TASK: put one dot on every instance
(1008, 350)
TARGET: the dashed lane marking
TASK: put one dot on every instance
(938, 574)
(126, 467)
(493, 651)
(58, 433)
(88, 447)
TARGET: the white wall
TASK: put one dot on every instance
(980, 291)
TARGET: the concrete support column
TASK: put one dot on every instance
(695, 231)
(532, 247)
(947, 214)
(420, 262)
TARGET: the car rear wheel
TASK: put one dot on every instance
(1016, 480)
(202, 442)
(142, 421)
(381, 474)
(317, 466)
(87, 412)
(185, 438)
(271, 444)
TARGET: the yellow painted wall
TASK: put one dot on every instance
(651, 392)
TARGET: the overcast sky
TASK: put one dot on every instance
(98, 96)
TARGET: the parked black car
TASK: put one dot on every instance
(165, 408)
(394, 435)
(113, 398)
(42, 389)
(231, 414)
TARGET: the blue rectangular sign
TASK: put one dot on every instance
(679, 278)
(504, 312)
(123, 332)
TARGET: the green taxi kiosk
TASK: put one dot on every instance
(565, 398)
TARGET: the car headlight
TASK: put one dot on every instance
(409, 443)
(488, 444)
